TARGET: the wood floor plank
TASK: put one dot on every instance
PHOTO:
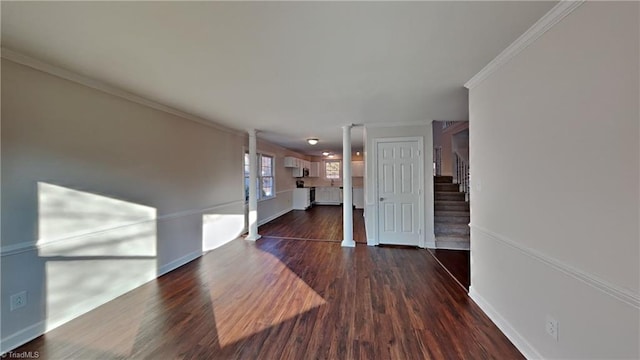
(288, 299)
(322, 222)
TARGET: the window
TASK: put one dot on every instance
(332, 169)
(266, 179)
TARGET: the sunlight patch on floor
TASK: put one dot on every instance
(247, 307)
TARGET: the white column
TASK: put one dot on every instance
(347, 189)
(253, 193)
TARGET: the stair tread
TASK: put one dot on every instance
(452, 202)
(458, 225)
(451, 213)
(456, 238)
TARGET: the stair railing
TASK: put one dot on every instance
(437, 161)
(446, 124)
(461, 176)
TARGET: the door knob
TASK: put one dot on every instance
(381, 199)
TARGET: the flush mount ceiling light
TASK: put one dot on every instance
(331, 156)
(325, 153)
(312, 141)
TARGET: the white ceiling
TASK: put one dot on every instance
(293, 70)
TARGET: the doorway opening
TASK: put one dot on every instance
(452, 198)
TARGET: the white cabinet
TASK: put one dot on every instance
(328, 195)
(296, 172)
(297, 165)
(314, 169)
(290, 161)
(357, 169)
(301, 198)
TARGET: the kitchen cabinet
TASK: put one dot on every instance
(328, 195)
(293, 162)
(357, 169)
(301, 198)
(314, 169)
(290, 162)
(296, 172)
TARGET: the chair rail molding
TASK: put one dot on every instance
(613, 290)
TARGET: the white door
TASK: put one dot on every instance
(400, 182)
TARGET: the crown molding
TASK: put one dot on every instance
(31, 62)
(551, 18)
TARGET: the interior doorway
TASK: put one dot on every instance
(452, 196)
(400, 179)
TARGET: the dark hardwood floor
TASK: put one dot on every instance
(321, 222)
(288, 299)
(457, 262)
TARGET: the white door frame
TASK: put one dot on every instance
(374, 173)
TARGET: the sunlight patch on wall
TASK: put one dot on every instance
(219, 229)
(247, 307)
(64, 213)
(95, 249)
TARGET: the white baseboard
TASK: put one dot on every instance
(22, 337)
(179, 262)
(430, 245)
(274, 216)
(518, 340)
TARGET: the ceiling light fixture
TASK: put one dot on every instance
(312, 141)
(325, 153)
(331, 156)
(358, 153)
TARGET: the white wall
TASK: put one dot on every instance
(554, 139)
(99, 195)
(370, 209)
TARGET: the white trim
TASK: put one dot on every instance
(624, 295)
(518, 340)
(396, 124)
(178, 262)
(25, 60)
(557, 13)
(259, 153)
(17, 248)
(348, 243)
(22, 337)
(31, 246)
(274, 216)
(421, 197)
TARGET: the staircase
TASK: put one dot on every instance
(452, 215)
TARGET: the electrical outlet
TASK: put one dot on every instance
(551, 326)
(16, 301)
